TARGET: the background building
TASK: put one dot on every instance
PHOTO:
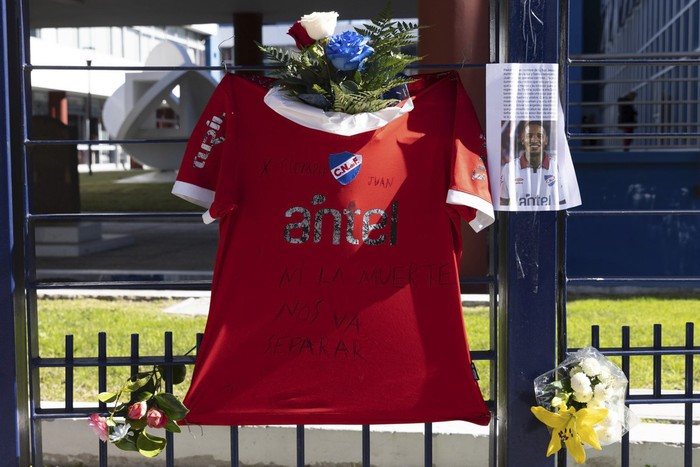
(649, 83)
(64, 94)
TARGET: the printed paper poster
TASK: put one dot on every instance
(528, 153)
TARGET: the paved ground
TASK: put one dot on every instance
(179, 249)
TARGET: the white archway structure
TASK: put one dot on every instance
(132, 112)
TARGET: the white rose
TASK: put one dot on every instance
(580, 383)
(604, 374)
(319, 24)
(590, 366)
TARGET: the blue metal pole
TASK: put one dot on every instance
(527, 270)
(14, 445)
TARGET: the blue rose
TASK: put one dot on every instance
(348, 51)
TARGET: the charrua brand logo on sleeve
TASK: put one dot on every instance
(211, 139)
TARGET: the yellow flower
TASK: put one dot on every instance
(573, 427)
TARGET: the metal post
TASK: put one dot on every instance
(14, 442)
(527, 269)
(88, 60)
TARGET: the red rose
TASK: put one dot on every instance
(300, 36)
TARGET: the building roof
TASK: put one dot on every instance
(74, 13)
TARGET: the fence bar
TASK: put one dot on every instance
(69, 372)
(528, 270)
(595, 336)
(688, 419)
(102, 386)
(428, 445)
(641, 62)
(365, 446)
(657, 361)
(169, 438)
(134, 353)
(112, 361)
(300, 446)
(235, 452)
(129, 285)
(625, 444)
(14, 417)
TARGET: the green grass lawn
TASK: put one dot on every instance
(85, 318)
(100, 193)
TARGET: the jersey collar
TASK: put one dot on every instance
(333, 122)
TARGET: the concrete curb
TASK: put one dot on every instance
(454, 444)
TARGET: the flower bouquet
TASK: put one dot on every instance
(353, 72)
(145, 406)
(583, 402)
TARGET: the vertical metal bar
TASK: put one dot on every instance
(595, 336)
(688, 419)
(14, 416)
(625, 444)
(493, 338)
(657, 361)
(102, 386)
(428, 445)
(169, 438)
(528, 297)
(134, 353)
(235, 453)
(300, 446)
(561, 293)
(365, 446)
(528, 272)
(562, 341)
(69, 370)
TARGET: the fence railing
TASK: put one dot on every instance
(625, 351)
(102, 361)
(657, 351)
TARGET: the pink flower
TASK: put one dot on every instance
(300, 36)
(99, 426)
(156, 419)
(137, 410)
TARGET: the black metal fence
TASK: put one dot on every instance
(688, 397)
(136, 362)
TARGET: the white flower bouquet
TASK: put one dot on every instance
(583, 401)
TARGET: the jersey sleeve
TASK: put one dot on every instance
(469, 186)
(202, 161)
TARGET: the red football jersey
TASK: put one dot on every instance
(335, 296)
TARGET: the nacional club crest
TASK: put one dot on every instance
(345, 166)
(550, 180)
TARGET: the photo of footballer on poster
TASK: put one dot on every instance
(526, 140)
